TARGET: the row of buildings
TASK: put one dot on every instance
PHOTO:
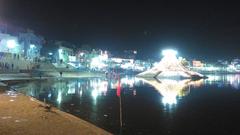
(93, 59)
(24, 44)
(228, 66)
(18, 43)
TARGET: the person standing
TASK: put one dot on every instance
(60, 73)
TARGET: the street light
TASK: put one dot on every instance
(169, 56)
(169, 52)
(32, 46)
(11, 44)
(60, 50)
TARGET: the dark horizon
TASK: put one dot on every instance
(208, 31)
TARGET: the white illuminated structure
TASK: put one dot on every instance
(170, 67)
(99, 61)
(169, 53)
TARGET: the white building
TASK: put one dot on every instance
(10, 44)
(32, 44)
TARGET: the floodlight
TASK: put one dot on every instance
(11, 44)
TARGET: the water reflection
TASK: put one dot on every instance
(97, 100)
(224, 80)
(60, 90)
(172, 89)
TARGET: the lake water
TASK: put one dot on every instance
(136, 106)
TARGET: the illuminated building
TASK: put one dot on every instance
(197, 63)
(32, 44)
(64, 53)
(10, 44)
(170, 67)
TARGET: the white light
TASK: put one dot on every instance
(169, 100)
(50, 53)
(97, 63)
(71, 88)
(60, 50)
(32, 46)
(94, 94)
(155, 64)
(127, 66)
(117, 60)
(81, 54)
(128, 81)
(11, 44)
(59, 97)
(72, 58)
(169, 52)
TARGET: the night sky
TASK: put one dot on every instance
(208, 31)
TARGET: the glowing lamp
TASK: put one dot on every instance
(11, 44)
(94, 94)
(32, 46)
(169, 100)
(169, 52)
(60, 50)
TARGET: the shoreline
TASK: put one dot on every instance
(21, 114)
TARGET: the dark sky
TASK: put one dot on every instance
(196, 30)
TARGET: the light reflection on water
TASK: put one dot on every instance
(96, 99)
(169, 89)
(224, 80)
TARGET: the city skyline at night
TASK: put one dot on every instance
(97, 67)
(195, 29)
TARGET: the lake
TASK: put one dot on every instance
(138, 106)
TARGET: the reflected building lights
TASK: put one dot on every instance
(80, 93)
(99, 87)
(71, 88)
(134, 92)
(128, 82)
(170, 89)
(224, 80)
(169, 100)
(59, 97)
(95, 94)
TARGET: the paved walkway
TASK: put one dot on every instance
(23, 115)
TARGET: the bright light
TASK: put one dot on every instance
(169, 52)
(128, 81)
(94, 94)
(72, 58)
(50, 53)
(117, 60)
(97, 63)
(127, 66)
(171, 100)
(155, 64)
(11, 44)
(71, 88)
(81, 54)
(59, 97)
(32, 46)
(60, 50)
